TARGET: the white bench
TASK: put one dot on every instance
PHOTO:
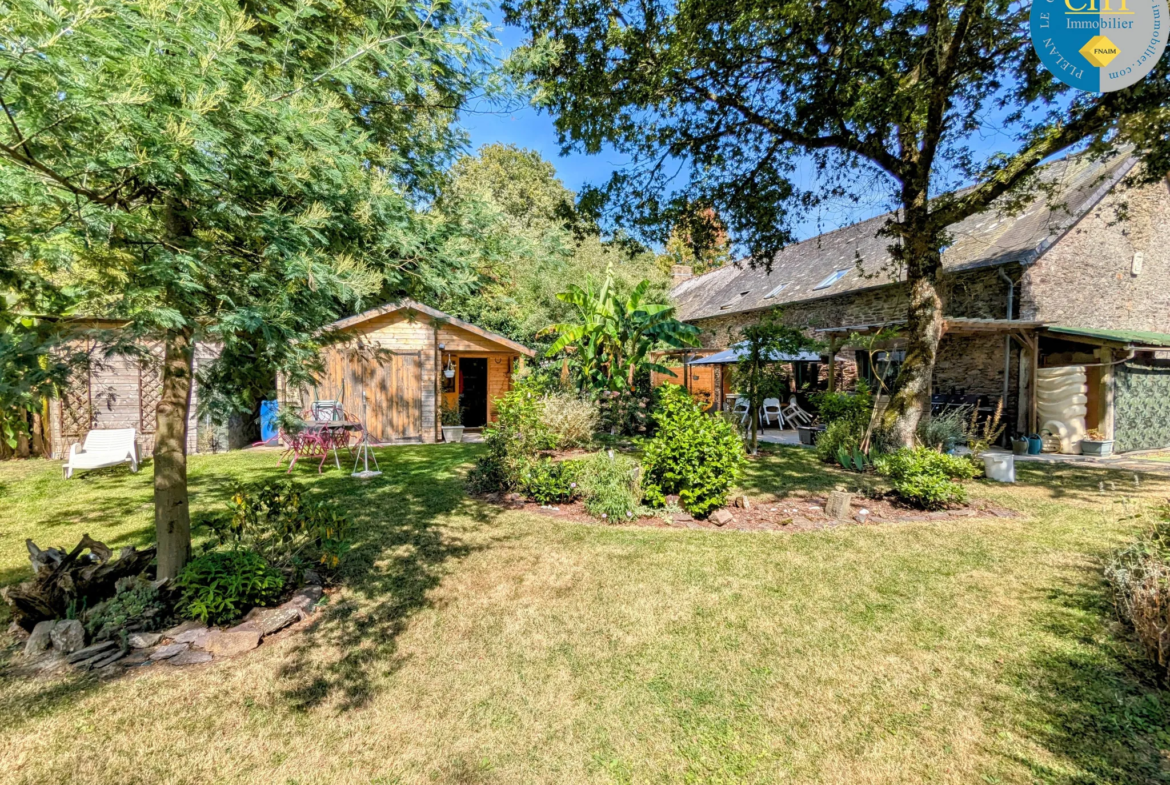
(102, 449)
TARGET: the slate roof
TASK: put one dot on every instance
(987, 239)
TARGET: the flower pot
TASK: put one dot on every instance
(1098, 448)
(452, 433)
(1035, 444)
(1019, 446)
(999, 466)
(808, 433)
(449, 373)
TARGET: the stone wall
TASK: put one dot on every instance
(1088, 278)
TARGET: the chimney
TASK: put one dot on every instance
(680, 273)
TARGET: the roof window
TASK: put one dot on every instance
(731, 303)
(832, 279)
(775, 291)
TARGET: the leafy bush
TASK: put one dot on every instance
(518, 434)
(694, 455)
(220, 586)
(551, 482)
(840, 435)
(853, 407)
(1139, 576)
(626, 412)
(949, 427)
(611, 485)
(926, 478)
(136, 605)
(288, 530)
(570, 419)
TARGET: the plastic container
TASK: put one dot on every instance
(268, 427)
(1000, 466)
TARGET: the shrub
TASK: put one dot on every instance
(843, 434)
(289, 531)
(513, 440)
(949, 427)
(570, 419)
(611, 485)
(220, 586)
(1139, 576)
(136, 605)
(551, 482)
(694, 455)
(926, 478)
(853, 407)
(625, 412)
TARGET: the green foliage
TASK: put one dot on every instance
(926, 478)
(756, 370)
(948, 428)
(550, 482)
(843, 434)
(610, 344)
(628, 412)
(696, 456)
(450, 414)
(570, 419)
(518, 434)
(136, 605)
(855, 407)
(221, 586)
(611, 485)
(1139, 578)
(853, 459)
(288, 530)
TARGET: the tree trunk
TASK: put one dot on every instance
(924, 326)
(172, 515)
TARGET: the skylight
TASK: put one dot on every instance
(832, 279)
(775, 291)
(731, 303)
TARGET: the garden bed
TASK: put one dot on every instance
(790, 514)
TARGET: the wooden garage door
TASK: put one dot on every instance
(392, 384)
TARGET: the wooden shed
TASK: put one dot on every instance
(392, 374)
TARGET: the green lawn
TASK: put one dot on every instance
(478, 646)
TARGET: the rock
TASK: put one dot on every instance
(170, 650)
(838, 504)
(312, 578)
(109, 659)
(229, 643)
(862, 515)
(174, 632)
(190, 658)
(89, 652)
(268, 620)
(743, 502)
(55, 661)
(143, 640)
(304, 600)
(194, 636)
(137, 657)
(67, 636)
(722, 517)
(39, 640)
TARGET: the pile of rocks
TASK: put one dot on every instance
(60, 644)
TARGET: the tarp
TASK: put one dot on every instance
(734, 354)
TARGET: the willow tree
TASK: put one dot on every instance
(723, 103)
(240, 173)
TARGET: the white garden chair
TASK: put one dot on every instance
(771, 410)
(742, 410)
(103, 448)
(793, 413)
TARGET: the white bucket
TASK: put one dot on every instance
(1000, 467)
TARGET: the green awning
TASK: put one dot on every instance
(1128, 337)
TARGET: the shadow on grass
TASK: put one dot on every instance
(402, 551)
(1090, 699)
(781, 470)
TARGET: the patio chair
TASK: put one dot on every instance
(771, 409)
(793, 412)
(742, 410)
(103, 448)
(326, 411)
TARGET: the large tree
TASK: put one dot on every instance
(236, 172)
(724, 103)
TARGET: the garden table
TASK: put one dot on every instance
(316, 439)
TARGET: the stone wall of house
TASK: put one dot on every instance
(1089, 278)
(973, 294)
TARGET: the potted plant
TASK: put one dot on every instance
(451, 418)
(1095, 443)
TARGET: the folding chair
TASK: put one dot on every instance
(771, 409)
(742, 410)
(793, 412)
(326, 411)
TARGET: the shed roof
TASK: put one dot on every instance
(1126, 337)
(434, 313)
(827, 265)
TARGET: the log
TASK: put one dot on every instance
(78, 578)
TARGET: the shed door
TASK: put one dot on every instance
(392, 384)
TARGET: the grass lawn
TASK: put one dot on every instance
(473, 645)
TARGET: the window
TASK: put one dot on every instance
(887, 363)
(731, 303)
(775, 291)
(832, 279)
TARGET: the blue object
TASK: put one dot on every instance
(268, 430)
(1035, 444)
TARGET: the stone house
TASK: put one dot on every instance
(1080, 276)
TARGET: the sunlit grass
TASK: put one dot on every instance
(474, 645)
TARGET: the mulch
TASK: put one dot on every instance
(786, 514)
